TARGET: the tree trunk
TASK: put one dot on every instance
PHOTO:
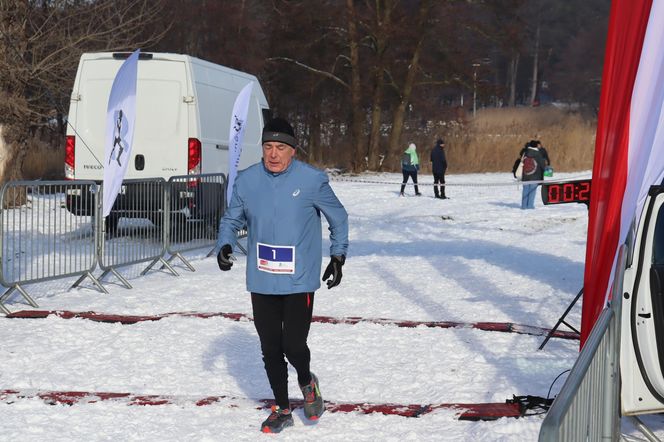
(383, 21)
(315, 151)
(400, 111)
(12, 155)
(4, 154)
(357, 114)
(514, 66)
(409, 83)
(533, 89)
(373, 152)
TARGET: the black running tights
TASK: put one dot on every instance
(282, 323)
(406, 175)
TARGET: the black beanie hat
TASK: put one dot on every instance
(278, 129)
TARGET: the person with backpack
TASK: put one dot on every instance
(438, 167)
(533, 159)
(410, 164)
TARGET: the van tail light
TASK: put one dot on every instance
(194, 159)
(70, 156)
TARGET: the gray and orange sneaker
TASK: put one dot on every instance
(277, 420)
(313, 401)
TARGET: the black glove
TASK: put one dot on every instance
(224, 258)
(334, 270)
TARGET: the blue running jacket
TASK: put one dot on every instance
(282, 215)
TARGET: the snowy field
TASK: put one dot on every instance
(475, 257)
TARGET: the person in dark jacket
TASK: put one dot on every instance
(438, 167)
(535, 159)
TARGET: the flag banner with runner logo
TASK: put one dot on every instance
(120, 119)
(238, 123)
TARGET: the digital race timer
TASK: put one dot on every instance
(568, 192)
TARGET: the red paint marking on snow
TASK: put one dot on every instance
(486, 411)
(208, 400)
(123, 319)
(231, 316)
(64, 397)
(150, 400)
(506, 327)
(107, 396)
(494, 326)
(33, 314)
(412, 410)
(489, 411)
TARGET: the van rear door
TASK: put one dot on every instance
(216, 89)
(162, 129)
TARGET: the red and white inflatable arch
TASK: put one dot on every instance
(629, 149)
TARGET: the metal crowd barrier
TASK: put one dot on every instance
(196, 204)
(140, 237)
(39, 240)
(54, 229)
(241, 234)
(587, 407)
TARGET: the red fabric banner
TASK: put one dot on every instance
(627, 26)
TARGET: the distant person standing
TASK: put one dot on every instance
(534, 159)
(410, 164)
(438, 168)
(548, 170)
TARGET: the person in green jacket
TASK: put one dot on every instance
(410, 165)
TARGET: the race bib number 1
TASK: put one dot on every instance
(275, 259)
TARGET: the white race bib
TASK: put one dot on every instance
(275, 259)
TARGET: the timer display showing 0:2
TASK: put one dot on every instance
(569, 192)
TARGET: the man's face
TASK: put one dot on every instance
(277, 156)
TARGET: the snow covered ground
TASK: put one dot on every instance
(474, 257)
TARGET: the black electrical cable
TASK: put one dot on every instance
(554, 381)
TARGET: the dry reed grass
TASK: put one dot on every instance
(491, 141)
(44, 160)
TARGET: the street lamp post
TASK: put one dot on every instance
(475, 66)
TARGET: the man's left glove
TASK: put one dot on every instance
(225, 258)
(334, 270)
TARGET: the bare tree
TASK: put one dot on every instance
(381, 41)
(405, 88)
(41, 43)
(355, 85)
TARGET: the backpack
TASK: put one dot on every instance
(405, 159)
(529, 165)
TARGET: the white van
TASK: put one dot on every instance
(183, 113)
